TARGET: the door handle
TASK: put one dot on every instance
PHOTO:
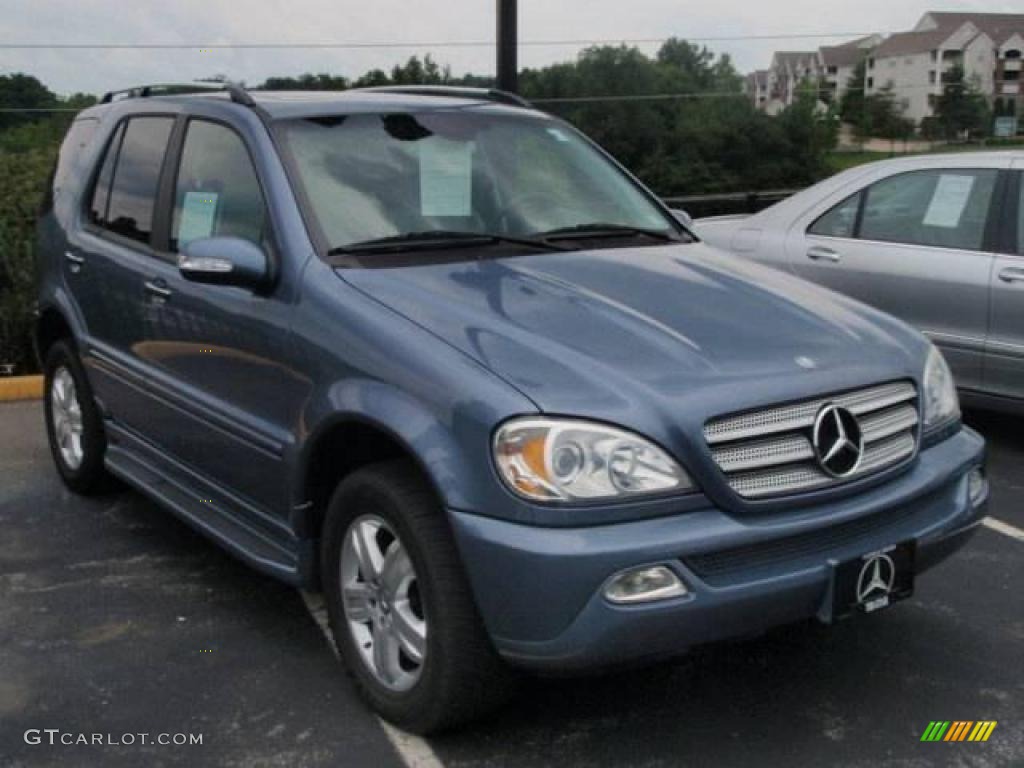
(75, 261)
(823, 253)
(1012, 275)
(158, 289)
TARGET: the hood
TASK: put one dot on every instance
(682, 328)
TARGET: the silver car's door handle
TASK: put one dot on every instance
(822, 253)
(75, 261)
(1012, 275)
(158, 289)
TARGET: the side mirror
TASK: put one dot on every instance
(225, 261)
(683, 218)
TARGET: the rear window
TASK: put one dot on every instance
(125, 192)
(69, 159)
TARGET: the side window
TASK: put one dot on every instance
(840, 221)
(941, 208)
(1020, 214)
(101, 192)
(129, 207)
(217, 191)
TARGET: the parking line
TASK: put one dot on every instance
(414, 751)
(1004, 528)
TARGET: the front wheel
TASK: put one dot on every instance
(400, 609)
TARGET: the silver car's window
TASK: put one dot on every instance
(840, 221)
(1020, 216)
(941, 208)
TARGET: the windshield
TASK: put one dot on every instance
(370, 177)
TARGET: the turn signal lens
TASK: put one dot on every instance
(642, 585)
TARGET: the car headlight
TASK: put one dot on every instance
(571, 460)
(941, 404)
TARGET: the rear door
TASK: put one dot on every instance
(916, 244)
(105, 263)
(1004, 361)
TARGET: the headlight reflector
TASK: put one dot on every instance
(573, 460)
(941, 404)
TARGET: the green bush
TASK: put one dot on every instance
(23, 176)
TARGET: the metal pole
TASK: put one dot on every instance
(508, 38)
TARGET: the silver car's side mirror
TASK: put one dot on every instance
(683, 217)
(225, 261)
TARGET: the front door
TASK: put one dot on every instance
(1004, 362)
(913, 244)
(227, 388)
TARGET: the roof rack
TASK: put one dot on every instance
(238, 94)
(455, 91)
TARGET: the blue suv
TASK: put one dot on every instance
(437, 354)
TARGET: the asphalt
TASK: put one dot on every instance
(117, 619)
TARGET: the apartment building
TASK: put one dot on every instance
(915, 64)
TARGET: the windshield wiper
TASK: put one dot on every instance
(439, 238)
(601, 229)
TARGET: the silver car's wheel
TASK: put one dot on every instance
(66, 413)
(382, 604)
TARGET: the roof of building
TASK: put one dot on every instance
(758, 78)
(935, 28)
(848, 54)
(792, 58)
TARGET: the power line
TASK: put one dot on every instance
(416, 44)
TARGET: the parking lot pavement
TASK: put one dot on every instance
(115, 618)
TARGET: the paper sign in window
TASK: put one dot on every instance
(949, 201)
(446, 178)
(198, 215)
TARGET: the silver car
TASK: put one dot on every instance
(937, 240)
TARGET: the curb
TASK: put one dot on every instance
(21, 388)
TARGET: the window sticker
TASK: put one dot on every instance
(198, 215)
(446, 178)
(949, 201)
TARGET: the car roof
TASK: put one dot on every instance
(299, 104)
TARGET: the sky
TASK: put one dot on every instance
(213, 22)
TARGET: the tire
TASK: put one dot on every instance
(78, 457)
(460, 677)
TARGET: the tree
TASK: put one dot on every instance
(961, 109)
(19, 91)
(851, 106)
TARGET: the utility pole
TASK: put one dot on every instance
(508, 41)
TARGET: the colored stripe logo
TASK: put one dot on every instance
(958, 730)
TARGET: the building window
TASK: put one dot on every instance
(1011, 74)
(1012, 54)
(871, 82)
(931, 77)
(871, 63)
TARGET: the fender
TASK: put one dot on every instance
(461, 479)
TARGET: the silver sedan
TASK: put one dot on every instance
(937, 240)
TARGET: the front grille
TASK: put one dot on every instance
(769, 453)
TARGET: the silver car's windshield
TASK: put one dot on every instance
(371, 177)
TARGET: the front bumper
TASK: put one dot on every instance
(539, 589)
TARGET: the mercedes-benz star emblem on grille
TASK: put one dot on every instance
(876, 578)
(838, 441)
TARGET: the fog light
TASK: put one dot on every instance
(641, 585)
(976, 485)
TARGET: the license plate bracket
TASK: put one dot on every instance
(873, 581)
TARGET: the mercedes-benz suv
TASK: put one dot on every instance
(439, 355)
